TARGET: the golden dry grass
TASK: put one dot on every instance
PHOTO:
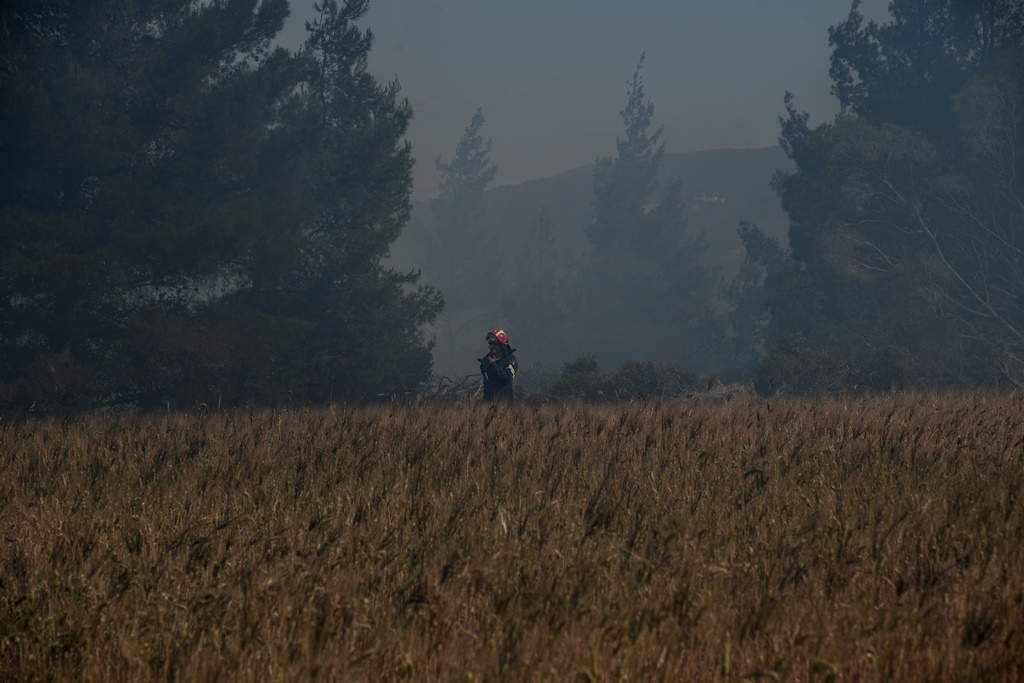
(859, 539)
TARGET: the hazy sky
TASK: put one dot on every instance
(551, 75)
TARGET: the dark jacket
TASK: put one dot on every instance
(499, 376)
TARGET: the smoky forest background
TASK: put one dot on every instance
(192, 214)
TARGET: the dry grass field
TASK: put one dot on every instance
(855, 539)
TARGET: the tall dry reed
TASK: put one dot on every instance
(859, 539)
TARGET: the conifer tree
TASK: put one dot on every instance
(190, 214)
(649, 292)
(463, 257)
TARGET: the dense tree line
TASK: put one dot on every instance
(191, 214)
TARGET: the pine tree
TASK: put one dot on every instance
(649, 293)
(462, 257)
(190, 214)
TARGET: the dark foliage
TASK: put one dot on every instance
(191, 215)
(582, 380)
(906, 232)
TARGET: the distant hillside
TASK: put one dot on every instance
(722, 187)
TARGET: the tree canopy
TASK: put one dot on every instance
(907, 233)
(190, 214)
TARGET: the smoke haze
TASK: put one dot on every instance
(551, 77)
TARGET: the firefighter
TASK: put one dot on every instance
(499, 368)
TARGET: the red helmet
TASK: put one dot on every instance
(498, 336)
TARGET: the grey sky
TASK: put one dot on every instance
(551, 75)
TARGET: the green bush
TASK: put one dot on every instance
(646, 380)
(582, 380)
